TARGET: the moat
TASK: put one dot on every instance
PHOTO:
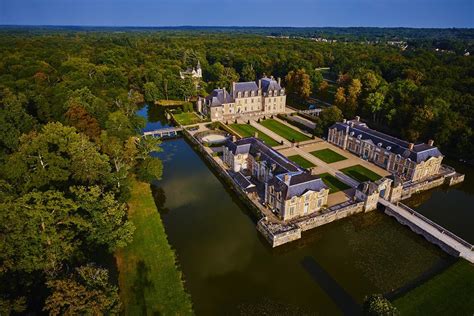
(229, 268)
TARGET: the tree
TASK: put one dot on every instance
(55, 155)
(375, 103)
(340, 98)
(87, 291)
(105, 218)
(152, 93)
(78, 117)
(323, 89)
(248, 73)
(353, 92)
(326, 118)
(298, 85)
(317, 79)
(377, 305)
(38, 231)
(150, 169)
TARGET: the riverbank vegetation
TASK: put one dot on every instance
(150, 282)
(449, 293)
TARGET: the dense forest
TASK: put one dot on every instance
(69, 133)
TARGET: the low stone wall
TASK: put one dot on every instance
(276, 234)
(422, 186)
(329, 216)
(455, 179)
(224, 175)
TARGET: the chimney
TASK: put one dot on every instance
(233, 86)
(271, 77)
(357, 118)
(430, 142)
(352, 124)
(344, 121)
(286, 178)
(410, 146)
(259, 84)
(234, 139)
(279, 81)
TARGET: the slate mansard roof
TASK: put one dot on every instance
(420, 152)
(219, 97)
(257, 148)
(245, 86)
(269, 84)
(298, 183)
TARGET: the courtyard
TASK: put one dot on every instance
(284, 130)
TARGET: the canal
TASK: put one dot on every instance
(229, 269)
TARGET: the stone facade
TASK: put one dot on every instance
(409, 161)
(245, 98)
(289, 190)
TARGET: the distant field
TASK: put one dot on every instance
(361, 173)
(187, 118)
(327, 155)
(334, 184)
(301, 161)
(449, 293)
(284, 130)
(246, 130)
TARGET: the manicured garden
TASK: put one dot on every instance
(187, 118)
(334, 184)
(301, 161)
(284, 130)
(448, 293)
(327, 155)
(149, 280)
(361, 173)
(246, 130)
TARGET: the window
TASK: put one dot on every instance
(319, 202)
(292, 210)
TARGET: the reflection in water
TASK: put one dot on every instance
(230, 269)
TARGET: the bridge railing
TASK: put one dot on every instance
(440, 228)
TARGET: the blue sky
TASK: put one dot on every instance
(408, 13)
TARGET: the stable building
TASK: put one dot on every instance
(409, 161)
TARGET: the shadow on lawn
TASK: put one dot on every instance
(141, 285)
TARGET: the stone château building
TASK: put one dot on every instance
(289, 190)
(266, 98)
(409, 161)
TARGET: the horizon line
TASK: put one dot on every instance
(226, 26)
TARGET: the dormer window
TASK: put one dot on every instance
(359, 136)
(379, 144)
(389, 148)
(351, 133)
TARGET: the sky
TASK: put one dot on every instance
(381, 13)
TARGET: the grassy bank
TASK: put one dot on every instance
(150, 283)
(449, 293)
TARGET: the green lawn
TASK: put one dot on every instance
(301, 161)
(284, 130)
(333, 183)
(150, 282)
(246, 130)
(327, 155)
(187, 118)
(449, 293)
(361, 173)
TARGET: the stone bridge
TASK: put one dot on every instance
(166, 131)
(433, 232)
